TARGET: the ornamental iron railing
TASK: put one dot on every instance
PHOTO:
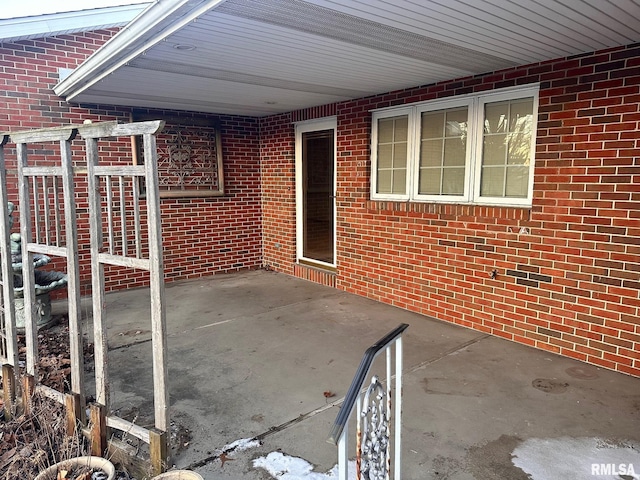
(378, 409)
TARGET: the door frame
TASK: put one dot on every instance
(326, 123)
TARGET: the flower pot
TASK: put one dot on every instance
(178, 475)
(97, 463)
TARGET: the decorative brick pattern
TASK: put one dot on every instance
(567, 269)
(315, 275)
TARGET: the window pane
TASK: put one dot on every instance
(492, 182)
(519, 148)
(385, 156)
(432, 124)
(399, 181)
(520, 127)
(495, 117)
(392, 155)
(443, 145)
(454, 152)
(430, 181)
(400, 155)
(384, 181)
(494, 152)
(385, 130)
(506, 152)
(457, 123)
(521, 114)
(517, 181)
(453, 181)
(401, 129)
(431, 153)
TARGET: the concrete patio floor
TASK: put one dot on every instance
(251, 354)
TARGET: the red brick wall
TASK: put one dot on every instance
(201, 236)
(277, 154)
(568, 269)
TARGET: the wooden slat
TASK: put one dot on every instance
(50, 393)
(47, 220)
(28, 280)
(35, 171)
(156, 286)
(158, 451)
(28, 388)
(128, 428)
(73, 274)
(123, 216)
(97, 278)
(73, 411)
(120, 170)
(6, 272)
(56, 208)
(108, 259)
(136, 216)
(109, 129)
(47, 249)
(8, 390)
(108, 186)
(44, 135)
(36, 233)
(98, 438)
(126, 456)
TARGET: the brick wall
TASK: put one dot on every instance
(277, 163)
(567, 270)
(201, 236)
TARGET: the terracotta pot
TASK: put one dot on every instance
(92, 462)
(178, 475)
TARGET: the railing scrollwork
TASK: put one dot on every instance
(374, 415)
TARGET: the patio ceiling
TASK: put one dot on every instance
(260, 57)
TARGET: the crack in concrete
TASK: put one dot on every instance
(303, 416)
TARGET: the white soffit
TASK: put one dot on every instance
(259, 57)
(32, 27)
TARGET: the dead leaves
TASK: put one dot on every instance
(84, 474)
(327, 395)
(54, 364)
(224, 459)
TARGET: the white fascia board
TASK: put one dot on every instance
(156, 23)
(42, 26)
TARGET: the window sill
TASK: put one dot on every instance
(451, 209)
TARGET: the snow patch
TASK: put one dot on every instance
(285, 467)
(553, 458)
(242, 445)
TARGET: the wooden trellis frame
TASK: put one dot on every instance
(8, 338)
(30, 179)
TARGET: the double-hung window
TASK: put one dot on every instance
(471, 149)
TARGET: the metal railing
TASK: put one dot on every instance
(373, 421)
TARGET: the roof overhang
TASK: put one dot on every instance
(261, 57)
(42, 26)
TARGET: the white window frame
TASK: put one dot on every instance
(433, 107)
(379, 115)
(473, 162)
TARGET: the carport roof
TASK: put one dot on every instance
(261, 57)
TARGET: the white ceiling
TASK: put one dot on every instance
(259, 57)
